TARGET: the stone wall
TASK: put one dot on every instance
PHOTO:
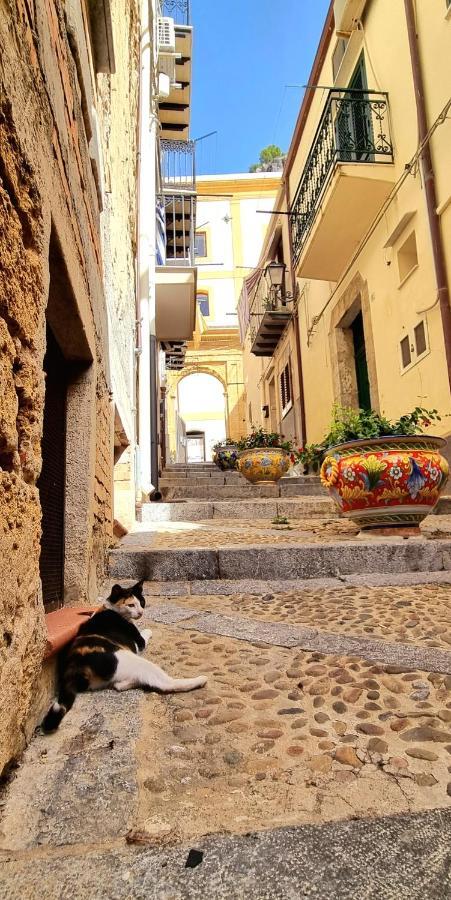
(50, 207)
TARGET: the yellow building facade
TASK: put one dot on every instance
(206, 399)
(363, 316)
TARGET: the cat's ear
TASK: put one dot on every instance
(137, 590)
(116, 593)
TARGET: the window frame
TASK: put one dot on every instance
(415, 357)
(286, 388)
(197, 235)
(201, 297)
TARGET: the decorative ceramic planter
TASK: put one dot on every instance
(263, 465)
(226, 458)
(388, 481)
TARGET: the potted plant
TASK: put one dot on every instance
(311, 457)
(382, 473)
(264, 456)
(225, 454)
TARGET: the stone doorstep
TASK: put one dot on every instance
(283, 562)
(62, 626)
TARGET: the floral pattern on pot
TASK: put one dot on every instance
(263, 465)
(386, 481)
(226, 458)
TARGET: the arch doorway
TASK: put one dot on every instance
(201, 405)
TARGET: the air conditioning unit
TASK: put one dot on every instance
(166, 35)
(347, 13)
(166, 48)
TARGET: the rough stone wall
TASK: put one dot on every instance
(47, 188)
(22, 282)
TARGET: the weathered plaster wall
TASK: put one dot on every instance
(118, 116)
(48, 198)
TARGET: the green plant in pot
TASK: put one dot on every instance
(225, 454)
(383, 473)
(264, 456)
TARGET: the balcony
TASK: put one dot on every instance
(346, 179)
(175, 109)
(176, 223)
(268, 317)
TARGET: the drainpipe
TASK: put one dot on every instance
(147, 419)
(296, 324)
(429, 186)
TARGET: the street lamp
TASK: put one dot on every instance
(275, 275)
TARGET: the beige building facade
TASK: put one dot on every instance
(363, 317)
(231, 222)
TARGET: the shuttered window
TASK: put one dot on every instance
(286, 388)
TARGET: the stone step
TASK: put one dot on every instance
(284, 561)
(242, 491)
(194, 511)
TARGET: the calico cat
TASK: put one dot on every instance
(104, 654)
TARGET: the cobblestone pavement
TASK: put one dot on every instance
(221, 532)
(282, 737)
(418, 614)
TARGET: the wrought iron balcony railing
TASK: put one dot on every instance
(178, 167)
(268, 315)
(179, 10)
(354, 128)
(176, 225)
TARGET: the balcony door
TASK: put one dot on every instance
(361, 363)
(354, 127)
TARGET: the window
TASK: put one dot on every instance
(405, 352)
(285, 389)
(414, 345)
(420, 339)
(407, 257)
(203, 303)
(200, 244)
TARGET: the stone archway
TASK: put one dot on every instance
(202, 408)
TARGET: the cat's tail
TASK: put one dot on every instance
(66, 698)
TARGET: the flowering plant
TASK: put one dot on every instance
(358, 424)
(261, 438)
(222, 445)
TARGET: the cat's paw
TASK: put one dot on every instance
(146, 634)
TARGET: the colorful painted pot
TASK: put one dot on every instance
(226, 458)
(386, 481)
(263, 465)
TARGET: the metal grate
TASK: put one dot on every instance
(51, 482)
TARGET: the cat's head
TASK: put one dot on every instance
(129, 602)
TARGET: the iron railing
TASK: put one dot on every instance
(178, 224)
(354, 128)
(267, 305)
(179, 10)
(178, 168)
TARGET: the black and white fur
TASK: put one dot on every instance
(104, 654)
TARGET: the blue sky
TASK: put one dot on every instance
(245, 52)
